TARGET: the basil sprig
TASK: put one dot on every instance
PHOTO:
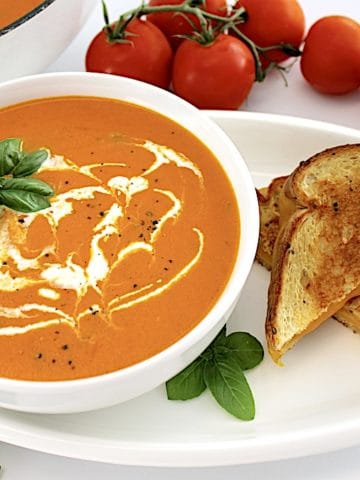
(220, 368)
(18, 191)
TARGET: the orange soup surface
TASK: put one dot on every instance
(12, 10)
(137, 246)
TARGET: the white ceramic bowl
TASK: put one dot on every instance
(32, 42)
(121, 385)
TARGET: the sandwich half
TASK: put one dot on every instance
(315, 264)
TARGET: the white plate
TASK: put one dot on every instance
(309, 406)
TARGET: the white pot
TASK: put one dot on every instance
(35, 40)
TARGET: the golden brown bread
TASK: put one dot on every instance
(316, 257)
(268, 198)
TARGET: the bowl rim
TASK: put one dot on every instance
(238, 276)
(24, 18)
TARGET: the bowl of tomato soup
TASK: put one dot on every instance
(33, 33)
(140, 257)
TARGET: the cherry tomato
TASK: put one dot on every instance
(271, 22)
(176, 24)
(218, 75)
(331, 58)
(147, 56)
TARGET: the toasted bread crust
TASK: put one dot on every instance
(349, 315)
(316, 261)
(319, 179)
(268, 199)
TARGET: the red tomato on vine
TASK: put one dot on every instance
(217, 75)
(144, 54)
(272, 22)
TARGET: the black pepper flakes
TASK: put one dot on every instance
(38, 355)
(65, 347)
(21, 220)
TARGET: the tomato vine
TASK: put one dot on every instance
(211, 25)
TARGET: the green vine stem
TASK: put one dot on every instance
(259, 72)
(206, 34)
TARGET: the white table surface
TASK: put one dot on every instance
(272, 97)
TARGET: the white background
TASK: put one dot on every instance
(271, 96)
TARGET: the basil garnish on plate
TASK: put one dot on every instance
(220, 368)
(17, 190)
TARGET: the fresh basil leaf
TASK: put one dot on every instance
(27, 184)
(30, 163)
(9, 154)
(220, 339)
(247, 349)
(187, 384)
(226, 381)
(23, 201)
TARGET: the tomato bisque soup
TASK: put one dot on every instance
(136, 248)
(12, 10)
